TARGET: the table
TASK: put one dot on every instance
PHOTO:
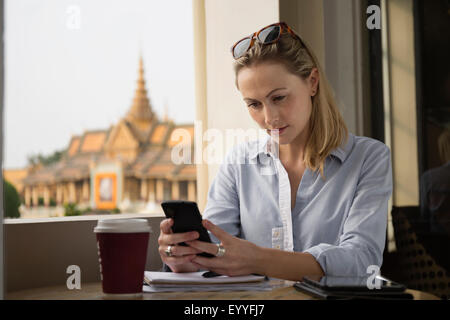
(282, 290)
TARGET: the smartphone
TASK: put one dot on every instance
(331, 283)
(186, 217)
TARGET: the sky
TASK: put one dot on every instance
(72, 66)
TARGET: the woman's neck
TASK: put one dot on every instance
(293, 153)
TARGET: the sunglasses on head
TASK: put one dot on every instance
(266, 35)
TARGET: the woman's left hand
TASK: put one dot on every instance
(241, 257)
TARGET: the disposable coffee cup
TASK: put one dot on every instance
(122, 248)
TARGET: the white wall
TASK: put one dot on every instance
(402, 94)
(344, 61)
(307, 18)
(335, 31)
(226, 109)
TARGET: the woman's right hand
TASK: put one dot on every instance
(180, 260)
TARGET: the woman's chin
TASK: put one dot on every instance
(284, 140)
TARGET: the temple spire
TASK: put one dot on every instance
(166, 110)
(141, 108)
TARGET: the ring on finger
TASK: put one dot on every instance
(220, 251)
(168, 251)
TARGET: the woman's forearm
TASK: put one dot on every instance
(287, 265)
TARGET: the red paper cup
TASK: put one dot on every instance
(122, 249)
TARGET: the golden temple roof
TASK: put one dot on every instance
(74, 145)
(93, 141)
(141, 109)
(152, 139)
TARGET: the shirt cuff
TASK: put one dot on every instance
(317, 253)
(344, 261)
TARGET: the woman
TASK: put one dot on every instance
(323, 211)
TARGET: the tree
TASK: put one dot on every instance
(11, 200)
(70, 209)
(46, 160)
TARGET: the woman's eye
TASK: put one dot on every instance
(279, 98)
(253, 105)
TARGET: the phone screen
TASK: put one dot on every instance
(186, 217)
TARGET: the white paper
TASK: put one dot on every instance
(196, 278)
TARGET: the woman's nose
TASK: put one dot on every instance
(271, 117)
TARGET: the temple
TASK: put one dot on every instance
(127, 166)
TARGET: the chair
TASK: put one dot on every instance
(423, 256)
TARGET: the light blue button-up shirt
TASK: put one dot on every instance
(341, 220)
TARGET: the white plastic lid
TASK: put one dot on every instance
(122, 226)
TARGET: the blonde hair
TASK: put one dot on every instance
(444, 145)
(327, 127)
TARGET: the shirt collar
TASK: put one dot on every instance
(344, 149)
(341, 152)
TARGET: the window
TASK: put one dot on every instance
(91, 93)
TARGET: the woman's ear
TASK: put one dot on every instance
(313, 80)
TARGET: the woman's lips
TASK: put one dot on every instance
(279, 130)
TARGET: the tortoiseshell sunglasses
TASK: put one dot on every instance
(266, 35)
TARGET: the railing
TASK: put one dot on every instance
(38, 251)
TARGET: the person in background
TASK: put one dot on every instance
(309, 199)
(435, 190)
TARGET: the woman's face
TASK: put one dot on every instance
(279, 101)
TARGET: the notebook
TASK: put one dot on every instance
(195, 281)
(196, 278)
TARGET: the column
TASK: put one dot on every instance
(34, 195)
(59, 194)
(65, 189)
(201, 92)
(151, 192)
(46, 196)
(191, 191)
(402, 135)
(27, 197)
(126, 189)
(175, 190)
(159, 190)
(144, 188)
(72, 192)
(85, 193)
